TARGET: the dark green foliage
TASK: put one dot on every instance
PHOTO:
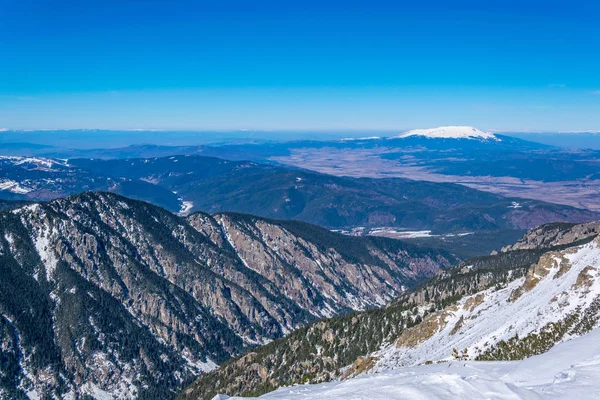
(317, 352)
(473, 245)
(216, 185)
(11, 205)
(516, 348)
(311, 354)
(128, 271)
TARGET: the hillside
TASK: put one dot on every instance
(569, 370)
(508, 306)
(193, 183)
(104, 295)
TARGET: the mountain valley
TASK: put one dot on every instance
(194, 183)
(107, 296)
(192, 276)
(509, 306)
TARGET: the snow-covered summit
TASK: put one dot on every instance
(450, 132)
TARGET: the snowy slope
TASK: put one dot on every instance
(450, 132)
(35, 162)
(570, 370)
(550, 310)
(564, 284)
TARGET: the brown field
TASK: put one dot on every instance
(368, 163)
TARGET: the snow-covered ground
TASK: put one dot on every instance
(420, 365)
(562, 284)
(186, 207)
(39, 162)
(391, 232)
(571, 370)
(13, 186)
(450, 132)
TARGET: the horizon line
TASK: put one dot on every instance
(276, 130)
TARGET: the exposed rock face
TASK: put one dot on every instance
(508, 306)
(102, 294)
(558, 298)
(320, 275)
(557, 234)
(430, 325)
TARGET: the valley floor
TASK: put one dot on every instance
(359, 163)
(571, 370)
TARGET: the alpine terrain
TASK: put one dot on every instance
(476, 221)
(299, 200)
(516, 304)
(110, 297)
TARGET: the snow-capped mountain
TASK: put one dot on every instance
(450, 132)
(558, 298)
(569, 370)
(510, 306)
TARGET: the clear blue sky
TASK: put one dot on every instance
(505, 65)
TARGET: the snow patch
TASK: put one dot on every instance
(400, 234)
(477, 324)
(570, 370)
(96, 392)
(13, 187)
(46, 252)
(449, 132)
(36, 161)
(196, 365)
(186, 207)
(33, 208)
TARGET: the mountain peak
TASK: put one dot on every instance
(450, 132)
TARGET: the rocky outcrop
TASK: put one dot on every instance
(556, 234)
(103, 294)
(507, 306)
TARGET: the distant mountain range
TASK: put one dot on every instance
(450, 132)
(222, 262)
(449, 151)
(107, 296)
(259, 149)
(195, 183)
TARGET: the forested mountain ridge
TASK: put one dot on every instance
(104, 294)
(501, 307)
(196, 183)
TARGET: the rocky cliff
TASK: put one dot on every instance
(106, 296)
(506, 306)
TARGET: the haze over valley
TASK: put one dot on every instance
(299, 200)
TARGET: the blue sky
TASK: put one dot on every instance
(327, 65)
